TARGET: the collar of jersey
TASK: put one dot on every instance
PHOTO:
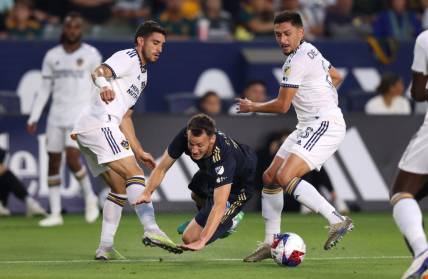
(143, 67)
(294, 52)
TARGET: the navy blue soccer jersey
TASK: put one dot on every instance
(230, 162)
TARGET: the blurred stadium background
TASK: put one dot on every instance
(221, 46)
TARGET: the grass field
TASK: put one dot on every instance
(373, 250)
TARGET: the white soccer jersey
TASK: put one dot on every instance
(307, 70)
(71, 84)
(420, 57)
(128, 82)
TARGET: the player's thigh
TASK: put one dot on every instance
(293, 167)
(92, 161)
(54, 162)
(72, 156)
(409, 183)
(114, 181)
(270, 173)
(318, 141)
(415, 157)
(192, 232)
(126, 167)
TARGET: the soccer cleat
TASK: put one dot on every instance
(161, 240)
(182, 227)
(34, 208)
(418, 268)
(52, 221)
(235, 223)
(337, 232)
(91, 209)
(106, 254)
(261, 253)
(4, 211)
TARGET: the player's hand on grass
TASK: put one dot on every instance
(244, 105)
(194, 246)
(107, 94)
(147, 159)
(32, 128)
(145, 197)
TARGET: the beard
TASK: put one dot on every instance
(70, 41)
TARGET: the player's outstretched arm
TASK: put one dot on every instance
(281, 104)
(336, 77)
(418, 89)
(221, 195)
(99, 77)
(127, 128)
(156, 177)
(41, 99)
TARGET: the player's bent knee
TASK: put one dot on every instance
(282, 179)
(268, 178)
(400, 196)
(291, 186)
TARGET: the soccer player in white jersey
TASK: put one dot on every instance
(410, 183)
(106, 136)
(66, 72)
(308, 83)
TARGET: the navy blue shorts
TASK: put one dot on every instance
(236, 205)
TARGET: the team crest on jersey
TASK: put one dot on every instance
(79, 62)
(125, 144)
(305, 133)
(143, 85)
(219, 170)
(287, 70)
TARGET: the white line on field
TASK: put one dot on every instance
(204, 260)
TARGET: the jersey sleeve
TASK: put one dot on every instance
(47, 71)
(97, 60)
(178, 145)
(294, 72)
(420, 58)
(224, 170)
(119, 64)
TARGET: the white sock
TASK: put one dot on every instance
(408, 217)
(272, 205)
(307, 195)
(85, 182)
(146, 213)
(54, 182)
(112, 212)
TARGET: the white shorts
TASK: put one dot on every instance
(314, 142)
(58, 138)
(103, 145)
(415, 158)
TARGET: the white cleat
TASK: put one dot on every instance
(4, 211)
(91, 209)
(106, 254)
(52, 221)
(34, 208)
(418, 267)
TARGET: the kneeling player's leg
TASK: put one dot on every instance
(192, 232)
(406, 211)
(272, 200)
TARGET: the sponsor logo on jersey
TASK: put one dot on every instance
(125, 144)
(219, 170)
(220, 179)
(287, 71)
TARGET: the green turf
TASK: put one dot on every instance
(374, 249)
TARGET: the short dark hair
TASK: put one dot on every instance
(73, 14)
(147, 28)
(286, 16)
(201, 123)
(387, 80)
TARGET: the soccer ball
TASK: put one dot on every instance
(288, 249)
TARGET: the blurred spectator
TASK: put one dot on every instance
(178, 26)
(341, 23)
(5, 6)
(397, 22)
(217, 22)
(425, 14)
(209, 103)
(255, 19)
(94, 11)
(255, 91)
(390, 99)
(312, 13)
(133, 11)
(21, 23)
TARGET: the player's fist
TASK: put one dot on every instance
(32, 128)
(145, 197)
(244, 105)
(107, 94)
(147, 159)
